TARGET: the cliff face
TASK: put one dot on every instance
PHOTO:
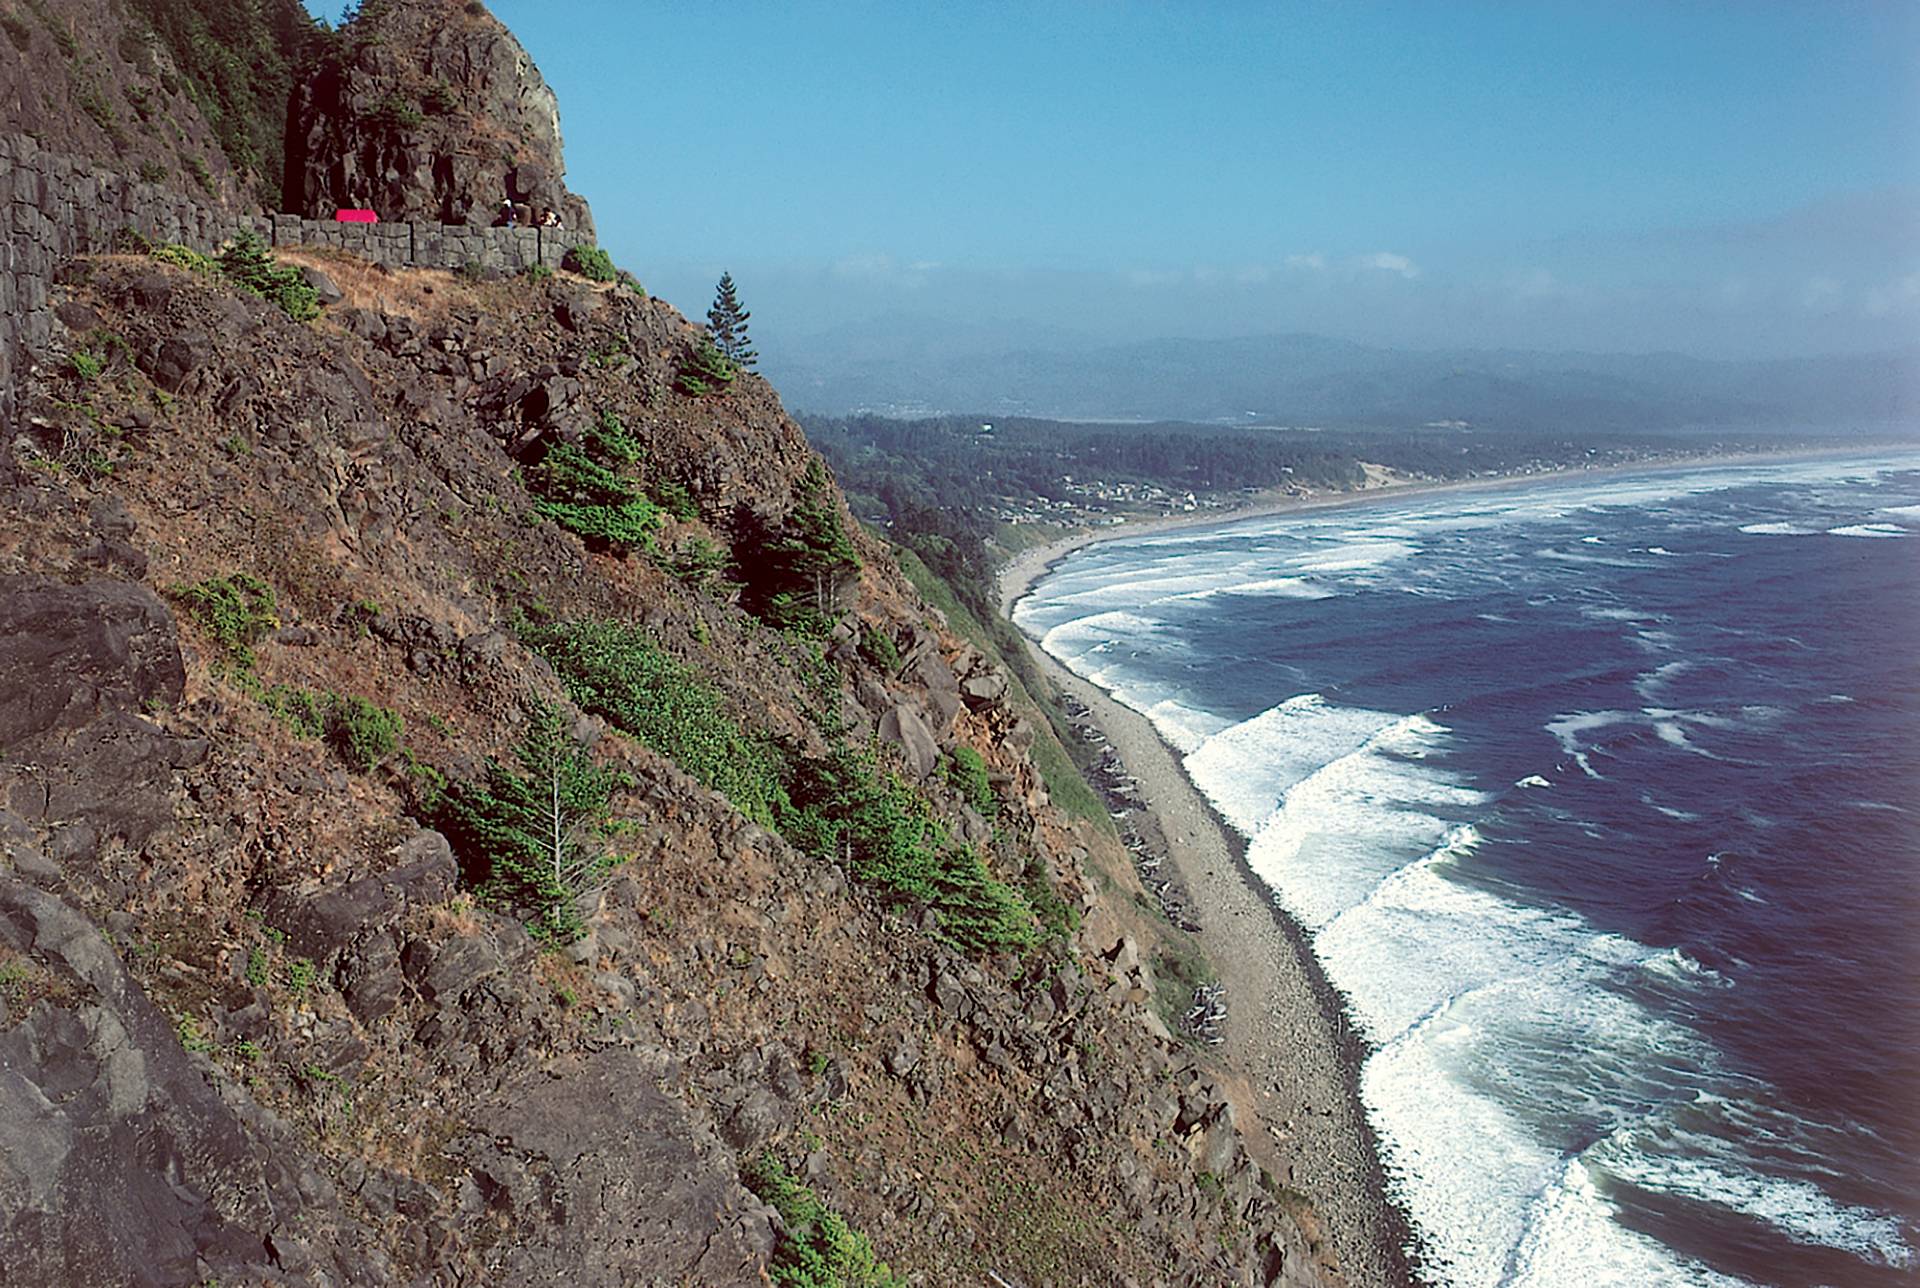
(250, 984)
(277, 597)
(427, 110)
(90, 78)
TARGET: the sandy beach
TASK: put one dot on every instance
(1285, 1035)
(1286, 1038)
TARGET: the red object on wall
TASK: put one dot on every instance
(355, 217)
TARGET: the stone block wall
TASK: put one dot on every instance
(53, 206)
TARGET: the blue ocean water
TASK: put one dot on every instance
(1600, 802)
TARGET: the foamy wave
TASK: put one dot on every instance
(1902, 511)
(1333, 798)
(1268, 588)
(1082, 634)
(1798, 1208)
(1480, 1103)
(1186, 727)
(1648, 682)
(1679, 966)
(1533, 780)
(1248, 768)
(1572, 1238)
(1356, 556)
(1778, 530)
(1868, 530)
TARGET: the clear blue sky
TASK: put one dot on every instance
(1737, 177)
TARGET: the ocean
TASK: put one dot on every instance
(1599, 801)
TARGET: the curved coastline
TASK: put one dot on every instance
(1287, 1032)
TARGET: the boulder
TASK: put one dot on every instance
(903, 727)
(122, 1164)
(79, 665)
(324, 288)
(609, 1180)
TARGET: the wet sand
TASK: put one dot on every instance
(1286, 1032)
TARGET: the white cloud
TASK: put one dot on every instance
(881, 269)
(870, 264)
(1388, 262)
(1313, 263)
(1897, 296)
(1153, 277)
(1536, 284)
(1821, 293)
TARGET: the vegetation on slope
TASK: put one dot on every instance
(846, 805)
(240, 60)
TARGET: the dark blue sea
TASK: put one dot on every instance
(1600, 802)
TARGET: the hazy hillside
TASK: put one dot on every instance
(1313, 380)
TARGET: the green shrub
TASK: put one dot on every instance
(672, 496)
(85, 365)
(850, 808)
(249, 264)
(586, 497)
(817, 1248)
(363, 734)
(797, 570)
(878, 648)
(696, 561)
(536, 273)
(632, 283)
(610, 440)
(441, 99)
(615, 670)
(152, 172)
(968, 773)
(394, 112)
(202, 176)
(706, 370)
(535, 839)
(301, 710)
(590, 262)
(237, 610)
(184, 257)
(845, 806)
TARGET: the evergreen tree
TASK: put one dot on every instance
(727, 322)
(537, 839)
(796, 573)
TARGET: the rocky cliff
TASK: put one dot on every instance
(301, 623)
(91, 78)
(428, 110)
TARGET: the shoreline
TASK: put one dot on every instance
(1287, 1034)
(1018, 574)
(1287, 1037)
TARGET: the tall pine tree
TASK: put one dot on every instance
(727, 322)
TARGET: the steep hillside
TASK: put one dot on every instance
(320, 642)
(188, 93)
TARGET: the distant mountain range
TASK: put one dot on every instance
(1308, 380)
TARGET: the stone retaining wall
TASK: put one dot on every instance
(53, 206)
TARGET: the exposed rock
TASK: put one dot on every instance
(324, 289)
(903, 727)
(78, 666)
(121, 1165)
(429, 110)
(609, 1181)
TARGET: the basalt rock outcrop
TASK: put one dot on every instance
(91, 78)
(428, 110)
(262, 1021)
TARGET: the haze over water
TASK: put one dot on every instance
(1597, 799)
